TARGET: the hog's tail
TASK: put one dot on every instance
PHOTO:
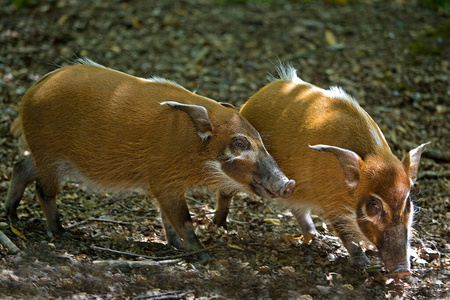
(17, 132)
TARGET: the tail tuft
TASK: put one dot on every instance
(17, 132)
(16, 127)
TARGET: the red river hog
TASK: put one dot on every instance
(118, 132)
(342, 165)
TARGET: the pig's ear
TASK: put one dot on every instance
(199, 116)
(348, 160)
(412, 160)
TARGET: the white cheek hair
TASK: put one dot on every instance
(247, 155)
(205, 135)
(219, 177)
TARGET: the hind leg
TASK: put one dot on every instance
(46, 190)
(171, 235)
(24, 173)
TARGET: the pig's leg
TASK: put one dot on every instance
(171, 235)
(306, 223)
(24, 173)
(46, 190)
(177, 214)
(357, 255)
(223, 207)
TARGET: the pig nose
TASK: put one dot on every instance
(288, 189)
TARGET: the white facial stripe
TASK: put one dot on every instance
(221, 178)
(247, 155)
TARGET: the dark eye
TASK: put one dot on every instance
(240, 142)
(373, 206)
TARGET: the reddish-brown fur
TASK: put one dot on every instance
(363, 189)
(119, 132)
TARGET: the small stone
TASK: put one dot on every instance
(264, 270)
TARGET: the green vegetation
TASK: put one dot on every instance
(436, 4)
(432, 42)
(21, 3)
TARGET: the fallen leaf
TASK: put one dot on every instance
(135, 22)
(235, 247)
(62, 19)
(17, 232)
(273, 221)
(330, 38)
(308, 237)
(268, 210)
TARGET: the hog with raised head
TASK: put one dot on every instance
(119, 132)
(357, 183)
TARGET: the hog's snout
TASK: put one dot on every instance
(288, 189)
(269, 181)
(394, 251)
(270, 188)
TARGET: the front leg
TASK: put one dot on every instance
(178, 224)
(307, 225)
(351, 243)
(223, 207)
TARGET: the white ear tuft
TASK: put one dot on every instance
(412, 160)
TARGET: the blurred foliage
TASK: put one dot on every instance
(432, 42)
(341, 2)
(436, 4)
(222, 2)
(21, 3)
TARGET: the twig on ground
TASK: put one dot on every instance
(98, 220)
(166, 296)
(10, 246)
(112, 201)
(434, 174)
(157, 258)
(213, 212)
(133, 264)
(200, 55)
(72, 207)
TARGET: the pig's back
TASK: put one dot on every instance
(102, 122)
(290, 116)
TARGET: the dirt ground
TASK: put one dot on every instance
(392, 56)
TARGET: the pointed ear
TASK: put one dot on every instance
(229, 105)
(412, 160)
(348, 160)
(199, 116)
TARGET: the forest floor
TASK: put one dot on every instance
(392, 56)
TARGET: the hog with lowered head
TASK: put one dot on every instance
(342, 165)
(118, 132)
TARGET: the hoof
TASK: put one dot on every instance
(62, 233)
(360, 261)
(67, 235)
(399, 274)
(203, 257)
(16, 223)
